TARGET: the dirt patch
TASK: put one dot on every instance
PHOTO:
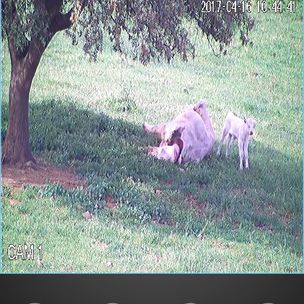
(110, 202)
(45, 174)
(168, 182)
(201, 208)
(14, 202)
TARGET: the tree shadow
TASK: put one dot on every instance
(110, 154)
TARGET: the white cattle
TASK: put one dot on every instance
(191, 131)
(240, 129)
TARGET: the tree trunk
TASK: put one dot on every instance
(16, 148)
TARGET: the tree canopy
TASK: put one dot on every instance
(153, 28)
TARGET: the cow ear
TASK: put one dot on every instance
(180, 130)
(199, 104)
(196, 106)
(245, 121)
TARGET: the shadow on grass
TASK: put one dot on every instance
(212, 198)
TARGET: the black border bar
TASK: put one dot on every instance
(152, 288)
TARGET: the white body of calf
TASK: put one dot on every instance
(240, 129)
(169, 153)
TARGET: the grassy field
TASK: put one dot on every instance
(207, 217)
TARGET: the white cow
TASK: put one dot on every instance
(191, 131)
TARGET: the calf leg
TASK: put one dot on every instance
(246, 154)
(228, 145)
(241, 153)
(158, 130)
(224, 134)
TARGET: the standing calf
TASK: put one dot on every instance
(240, 129)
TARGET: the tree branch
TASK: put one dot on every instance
(63, 21)
(11, 44)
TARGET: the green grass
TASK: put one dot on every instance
(206, 217)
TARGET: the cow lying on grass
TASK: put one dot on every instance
(169, 151)
(240, 129)
(189, 137)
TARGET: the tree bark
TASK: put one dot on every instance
(16, 148)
